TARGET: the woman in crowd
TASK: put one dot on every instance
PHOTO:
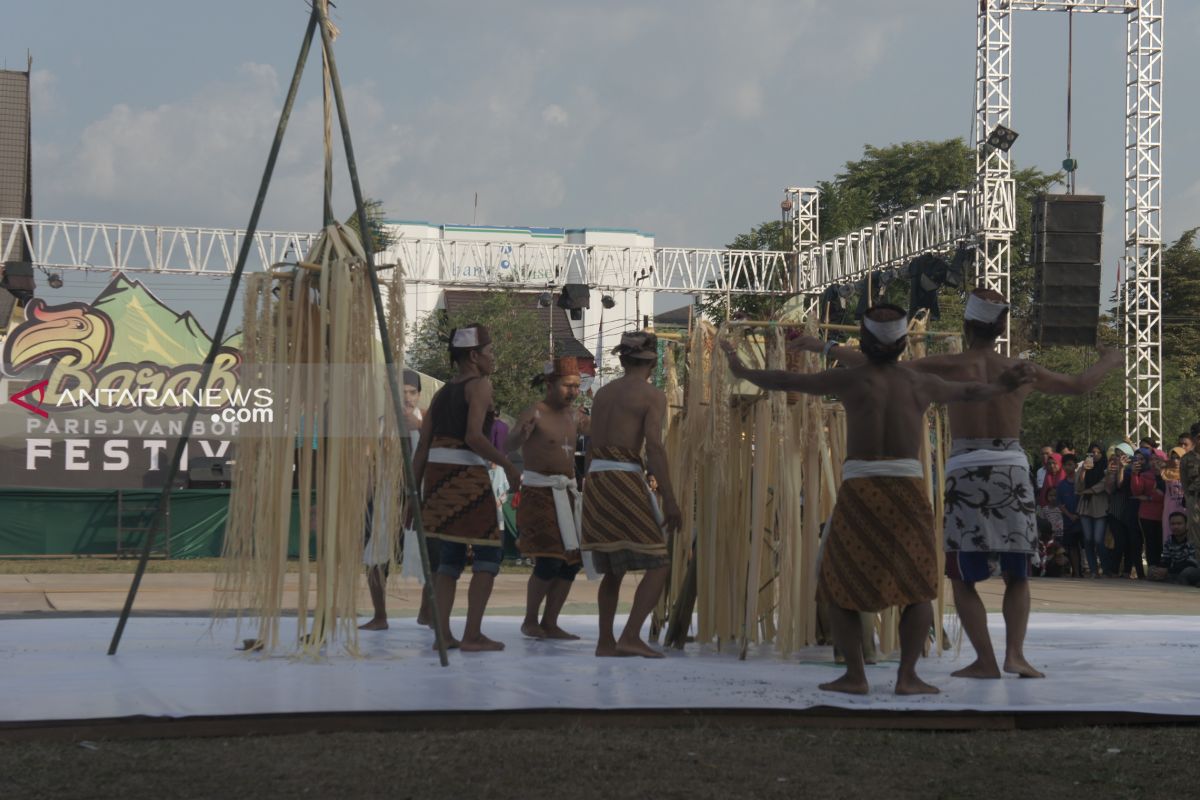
(1047, 497)
(1144, 486)
(1122, 516)
(1172, 489)
(1093, 486)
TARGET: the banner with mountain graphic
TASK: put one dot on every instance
(96, 394)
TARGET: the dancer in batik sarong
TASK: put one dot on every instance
(548, 514)
(990, 522)
(880, 550)
(451, 463)
(622, 526)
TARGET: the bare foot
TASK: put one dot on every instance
(374, 625)
(451, 643)
(555, 632)
(1020, 666)
(425, 619)
(607, 649)
(636, 647)
(481, 644)
(977, 669)
(533, 630)
(914, 685)
(846, 685)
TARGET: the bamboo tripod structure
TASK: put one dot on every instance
(758, 475)
(332, 90)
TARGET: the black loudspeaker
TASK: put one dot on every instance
(209, 473)
(8, 304)
(575, 296)
(1067, 231)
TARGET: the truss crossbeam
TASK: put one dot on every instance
(1078, 6)
(891, 242)
(438, 262)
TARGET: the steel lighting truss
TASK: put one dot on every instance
(438, 262)
(987, 214)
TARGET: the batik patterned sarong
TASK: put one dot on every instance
(459, 504)
(537, 522)
(990, 507)
(618, 512)
(880, 550)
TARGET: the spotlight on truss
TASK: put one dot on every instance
(1002, 138)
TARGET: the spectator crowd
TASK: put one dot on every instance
(1120, 511)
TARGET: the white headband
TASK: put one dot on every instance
(465, 337)
(982, 310)
(887, 332)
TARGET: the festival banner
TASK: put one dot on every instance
(96, 394)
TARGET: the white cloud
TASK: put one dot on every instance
(555, 115)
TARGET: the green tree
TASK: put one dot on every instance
(518, 337)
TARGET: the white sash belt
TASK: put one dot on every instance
(564, 489)
(604, 465)
(883, 468)
(451, 455)
(987, 458)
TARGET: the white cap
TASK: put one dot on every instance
(466, 337)
(887, 332)
(983, 310)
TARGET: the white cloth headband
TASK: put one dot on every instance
(465, 337)
(982, 310)
(887, 332)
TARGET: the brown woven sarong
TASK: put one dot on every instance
(459, 504)
(537, 523)
(617, 514)
(880, 549)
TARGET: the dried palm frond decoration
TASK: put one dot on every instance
(757, 475)
(310, 337)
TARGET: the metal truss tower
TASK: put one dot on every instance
(1141, 290)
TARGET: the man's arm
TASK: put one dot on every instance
(479, 399)
(526, 423)
(656, 458)
(1056, 383)
(841, 353)
(830, 381)
(940, 390)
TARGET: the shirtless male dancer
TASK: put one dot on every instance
(990, 525)
(880, 549)
(622, 525)
(548, 515)
(451, 465)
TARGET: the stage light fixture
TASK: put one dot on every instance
(55, 280)
(545, 300)
(1002, 138)
(607, 301)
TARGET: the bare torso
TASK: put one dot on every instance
(550, 448)
(885, 409)
(619, 413)
(997, 418)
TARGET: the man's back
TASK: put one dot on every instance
(619, 413)
(997, 418)
(885, 406)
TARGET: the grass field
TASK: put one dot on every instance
(689, 763)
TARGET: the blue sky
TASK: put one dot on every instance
(685, 119)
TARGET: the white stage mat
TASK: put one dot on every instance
(56, 669)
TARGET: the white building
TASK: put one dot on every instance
(443, 261)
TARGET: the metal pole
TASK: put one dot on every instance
(219, 334)
(414, 497)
